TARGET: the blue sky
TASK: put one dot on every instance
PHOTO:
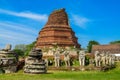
(21, 20)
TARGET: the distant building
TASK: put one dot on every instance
(112, 48)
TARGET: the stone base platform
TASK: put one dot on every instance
(82, 68)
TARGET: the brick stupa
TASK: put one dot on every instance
(57, 31)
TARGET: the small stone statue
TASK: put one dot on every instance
(82, 58)
(97, 59)
(91, 61)
(57, 57)
(113, 59)
(66, 58)
(107, 58)
(7, 47)
(103, 58)
(110, 59)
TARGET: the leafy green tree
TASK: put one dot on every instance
(115, 42)
(23, 50)
(21, 47)
(29, 47)
(89, 47)
(19, 52)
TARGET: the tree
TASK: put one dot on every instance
(29, 47)
(23, 50)
(21, 47)
(115, 42)
(89, 47)
(19, 52)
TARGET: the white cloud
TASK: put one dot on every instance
(15, 26)
(30, 15)
(80, 21)
(14, 33)
(11, 37)
(20, 32)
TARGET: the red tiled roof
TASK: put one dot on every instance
(113, 48)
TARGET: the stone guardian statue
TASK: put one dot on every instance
(97, 59)
(82, 58)
(67, 58)
(57, 57)
(103, 58)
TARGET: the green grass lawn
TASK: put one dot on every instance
(66, 75)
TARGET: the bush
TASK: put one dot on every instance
(87, 60)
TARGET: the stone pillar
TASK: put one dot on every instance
(8, 60)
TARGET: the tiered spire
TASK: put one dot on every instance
(57, 31)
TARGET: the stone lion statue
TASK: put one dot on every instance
(67, 58)
(97, 59)
(82, 58)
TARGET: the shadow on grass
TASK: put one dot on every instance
(39, 73)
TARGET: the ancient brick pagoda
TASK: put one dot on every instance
(57, 31)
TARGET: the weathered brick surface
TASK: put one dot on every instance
(57, 30)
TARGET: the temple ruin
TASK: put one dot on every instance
(113, 48)
(57, 31)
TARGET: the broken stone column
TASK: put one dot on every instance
(8, 60)
(34, 62)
